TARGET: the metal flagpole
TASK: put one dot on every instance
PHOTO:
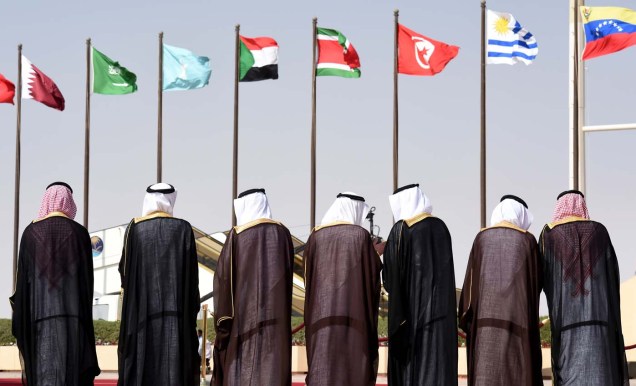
(160, 112)
(581, 100)
(312, 221)
(16, 204)
(87, 133)
(204, 310)
(482, 163)
(396, 15)
(574, 96)
(237, 63)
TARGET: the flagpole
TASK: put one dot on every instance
(581, 101)
(574, 96)
(396, 14)
(87, 134)
(482, 163)
(16, 204)
(312, 216)
(237, 59)
(160, 112)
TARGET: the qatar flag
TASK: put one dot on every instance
(36, 85)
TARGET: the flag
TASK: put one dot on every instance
(419, 55)
(508, 41)
(36, 85)
(258, 59)
(607, 30)
(7, 90)
(109, 77)
(336, 55)
(183, 70)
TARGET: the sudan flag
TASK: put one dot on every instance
(258, 59)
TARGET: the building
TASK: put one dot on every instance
(107, 250)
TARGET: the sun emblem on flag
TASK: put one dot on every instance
(501, 26)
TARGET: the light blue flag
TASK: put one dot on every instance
(183, 70)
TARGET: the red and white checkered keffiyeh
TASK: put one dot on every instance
(58, 198)
(571, 204)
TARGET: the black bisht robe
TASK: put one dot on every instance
(419, 276)
(158, 343)
(499, 308)
(252, 306)
(342, 294)
(52, 304)
(582, 284)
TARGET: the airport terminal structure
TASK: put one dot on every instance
(107, 249)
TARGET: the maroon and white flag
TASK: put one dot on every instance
(36, 85)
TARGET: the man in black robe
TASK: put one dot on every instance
(252, 298)
(581, 283)
(499, 305)
(419, 276)
(158, 342)
(342, 294)
(52, 303)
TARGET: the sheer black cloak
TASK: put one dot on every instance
(499, 309)
(158, 343)
(252, 304)
(342, 293)
(52, 304)
(419, 276)
(582, 284)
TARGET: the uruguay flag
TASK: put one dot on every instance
(183, 70)
(508, 41)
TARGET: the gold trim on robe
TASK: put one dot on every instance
(331, 224)
(506, 224)
(415, 219)
(253, 223)
(152, 215)
(566, 220)
(52, 214)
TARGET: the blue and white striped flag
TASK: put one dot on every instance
(508, 41)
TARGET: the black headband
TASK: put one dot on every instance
(398, 190)
(512, 197)
(251, 191)
(164, 191)
(571, 191)
(61, 184)
(350, 196)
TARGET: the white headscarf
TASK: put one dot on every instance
(251, 205)
(409, 201)
(347, 209)
(159, 198)
(512, 211)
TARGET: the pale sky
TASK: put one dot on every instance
(439, 116)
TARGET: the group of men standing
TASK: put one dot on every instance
(574, 263)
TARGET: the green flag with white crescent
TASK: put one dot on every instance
(110, 78)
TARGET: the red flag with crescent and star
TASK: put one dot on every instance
(420, 55)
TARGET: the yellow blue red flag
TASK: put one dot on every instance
(607, 30)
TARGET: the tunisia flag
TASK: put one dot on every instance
(36, 85)
(7, 90)
(419, 55)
